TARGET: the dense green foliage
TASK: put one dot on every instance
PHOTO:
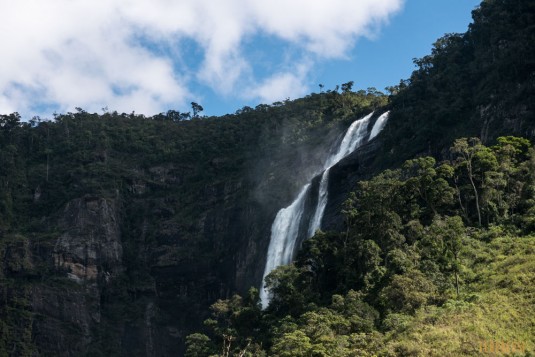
(429, 248)
(477, 83)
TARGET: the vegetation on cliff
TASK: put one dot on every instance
(478, 83)
(436, 260)
(436, 256)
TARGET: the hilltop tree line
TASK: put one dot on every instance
(39, 155)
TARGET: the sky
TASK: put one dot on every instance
(150, 56)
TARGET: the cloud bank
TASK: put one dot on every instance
(136, 55)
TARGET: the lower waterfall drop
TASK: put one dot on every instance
(284, 232)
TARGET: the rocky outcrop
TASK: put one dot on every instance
(218, 251)
(90, 246)
(16, 319)
(497, 119)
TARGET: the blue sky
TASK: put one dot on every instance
(379, 61)
(149, 56)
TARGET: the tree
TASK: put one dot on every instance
(466, 150)
(378, 203)
(185, 116)
(360, 315)
(288, 297)
(198, 345)
(511, 153)
(368, 264)
(173, 115)
(350, 213)
(392, 90)
(407, 292)
(292, 344)
(528, 218)
(449, 232)
(196, 108)
(236, 324)
(429, 184)
(346, 87)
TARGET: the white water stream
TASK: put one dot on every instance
(379, 125)
(353, 138)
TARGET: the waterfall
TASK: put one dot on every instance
(284, 232)
(353, 138)
(315, 222)
(285, 227)
(379, 125)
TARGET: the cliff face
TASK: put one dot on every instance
(360, 165)
(118, 233)
(89, 296)
(62, 316)
(132, 271)
(216, 254)
(16, 318)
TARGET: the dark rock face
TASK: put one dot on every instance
(219, 253)
(133, 279)
(89, 253)
(90, 247)
(496, 119)
(343, 178)
(66, 316)
(124, 276)
(134, 272)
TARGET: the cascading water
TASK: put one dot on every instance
(379, 125)
(353, 138)
(285, 227)
(315, 222)
(284, 232)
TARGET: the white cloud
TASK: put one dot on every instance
(327, 28)
(81, 53)
(280, 86)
